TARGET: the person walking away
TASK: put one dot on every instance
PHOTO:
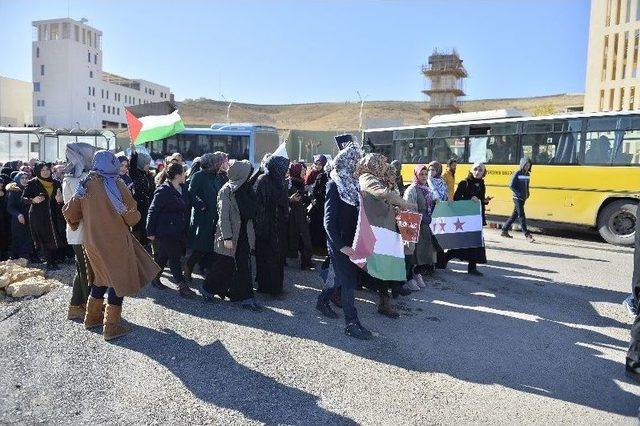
(230, 274)
(377, 197)
(420, 255)
(449, 176)
(472, 188)
(142, 189)
(203, 189)
(45, 214)
(119, 264)
(79, 159)
(340, 221)
(298, 237)
(520, 188)
(18, 209)
(271, 226)
(167, 226)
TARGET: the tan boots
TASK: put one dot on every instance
(113, 326)
(110, 319)
(76, 312)
(94, 315)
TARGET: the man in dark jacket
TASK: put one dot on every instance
(633, 355)
(520, 187)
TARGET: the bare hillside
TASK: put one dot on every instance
(337, 116)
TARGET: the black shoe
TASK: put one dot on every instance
(185, 291)
(326, 310)
(400, 291)
(356, 330)
(157, 284)
(52, 267)
(506, 234)
(475, 272)
(631, 371)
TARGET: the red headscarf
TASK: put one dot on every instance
(295, 169)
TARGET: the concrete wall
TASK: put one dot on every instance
(610, 84)
(15, 102)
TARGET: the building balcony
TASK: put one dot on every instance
(449, 90)
(457, 71)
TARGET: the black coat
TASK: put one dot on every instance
(21, 242)
(298, 234)
(5, 224)
(316, 213)
(340, 220)
(46, 222)
(142, 189)
(467, 189)
(169, 213)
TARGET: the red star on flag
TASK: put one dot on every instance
(458, 225)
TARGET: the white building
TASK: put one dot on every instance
(15, 102)
(70, 89)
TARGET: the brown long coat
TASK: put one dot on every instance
(116, 257)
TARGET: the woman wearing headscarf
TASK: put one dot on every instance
(230, 274)
(196, 166)
(45, 214)
(472, 188)
(124, 170)
(271, 226)
(397, 165)
(167, 225)
(371, 172)
(203, 189)
(5, 221)
(340, 221)
(436, 183)
(142, 188)
(18, 209)
(79, 160)
(419, 255)
(298, 237)
(175, 158)
(119, 264)
(318, 179)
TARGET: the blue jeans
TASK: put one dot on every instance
(518, 212)
(346, 279)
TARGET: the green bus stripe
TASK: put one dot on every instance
(462, 208)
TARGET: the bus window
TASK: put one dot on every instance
(383, 143)
(478, 149)
(628, 152)
(414, 152)
(156, 148)
(557, 148)
(447, 148)
(502, 149)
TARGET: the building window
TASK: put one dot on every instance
(634, 60)
(616, 38)
(37, 52)
(107, 94)
(621, 100)
(88, 106)
(36, 86)
(41, 69)
(40, 103)
(618, 7)
(89, 90)
(118, 111)
(93, 90)
(90, 74)
(605, 55)
(76, 31)
(88, 56)
(109, 109)
(632, 97)
(102, 93)
(627, 15)
(601, 106)
(66, 30)
(95, 59)
(611, 94)
(104, 108)
(94, 106)
(624, 54)
(607, 21)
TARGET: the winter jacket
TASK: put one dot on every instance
(229, 219)
(520, 181)
(204, 188)
(169, 213)
(450, 180)
(340, 219)
(69, 186)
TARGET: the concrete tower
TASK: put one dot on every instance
(445, 74)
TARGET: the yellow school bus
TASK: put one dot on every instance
(586, 167)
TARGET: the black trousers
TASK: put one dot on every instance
(633, 355)
(80, 292)
(98, 293)
(169, 250)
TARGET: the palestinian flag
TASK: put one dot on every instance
(378, 250)
(457, 224)
(152, 122)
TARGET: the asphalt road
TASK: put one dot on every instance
(540, 339)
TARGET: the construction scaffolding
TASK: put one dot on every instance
(445, 74)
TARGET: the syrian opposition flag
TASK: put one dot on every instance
(457, 224)
(378, 250)
(154, 121)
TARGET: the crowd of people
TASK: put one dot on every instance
(124, 224)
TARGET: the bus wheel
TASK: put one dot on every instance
(617, 222)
